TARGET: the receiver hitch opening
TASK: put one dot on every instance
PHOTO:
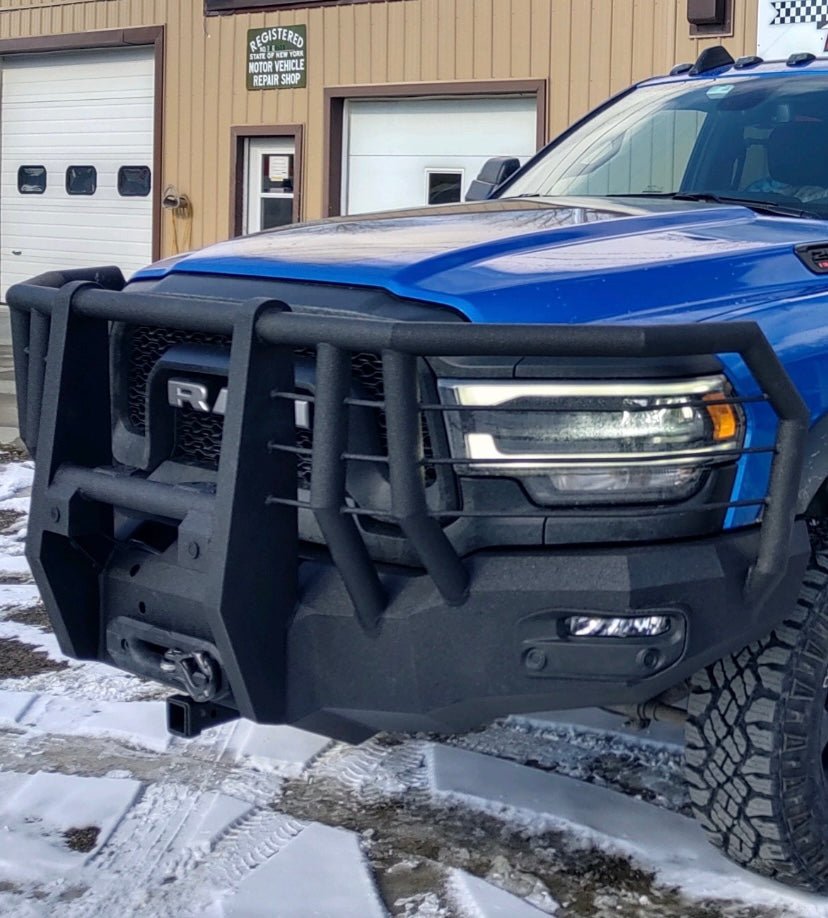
(187, 718)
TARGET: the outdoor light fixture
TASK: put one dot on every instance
(706, 12)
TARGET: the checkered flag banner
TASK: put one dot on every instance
(790, 12)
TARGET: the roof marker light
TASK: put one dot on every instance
(749, 60)
(800, 59)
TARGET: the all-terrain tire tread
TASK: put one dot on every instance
(750, 755)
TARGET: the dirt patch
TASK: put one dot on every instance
(9, 518)
(72, 893)
(14, 579)
(35, 616)
(83, 840)
(651, 773)
(14, 451)
(411, 844)
(18, 660)
(407, 885)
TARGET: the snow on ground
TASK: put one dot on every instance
(546, 815)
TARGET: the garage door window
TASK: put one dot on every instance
(81, 180)
(444, 187)
(31, 179)
(134, 181)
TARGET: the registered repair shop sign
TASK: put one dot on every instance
(277, 57)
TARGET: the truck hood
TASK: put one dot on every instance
(542, 260)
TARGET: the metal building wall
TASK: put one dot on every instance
(584, 49)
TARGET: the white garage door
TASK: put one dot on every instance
(76, 152)
(408, 152)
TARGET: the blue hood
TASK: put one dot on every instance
(528, 261)
(564, 261)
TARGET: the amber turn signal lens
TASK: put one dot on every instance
(723, 416)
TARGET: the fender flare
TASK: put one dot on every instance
(815, 465)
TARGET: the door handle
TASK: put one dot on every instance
(16, 252)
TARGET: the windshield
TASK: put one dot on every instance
(761, 139)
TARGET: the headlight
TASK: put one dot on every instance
(594, 441)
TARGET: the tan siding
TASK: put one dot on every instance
(621, 46)
(482, 38)
(540, 35)
(500, 61)
(600, 46)
(521, 38)
(464, 39)
(413, 37)
(584, 49)
(559, 55)
(442, 38)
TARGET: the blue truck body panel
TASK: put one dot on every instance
(515, 262)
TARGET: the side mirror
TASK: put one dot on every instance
(495, 171)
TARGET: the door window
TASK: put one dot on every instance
(270, 185)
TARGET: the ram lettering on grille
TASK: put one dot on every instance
(199, 427)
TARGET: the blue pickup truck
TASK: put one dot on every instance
(562, 445)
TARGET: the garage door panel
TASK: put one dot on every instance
(76, 80)
(126, 128)
(51, 110)
(60, 237)
(117, 91)
(392, 144)
(86, 231)
(26, 137)
(75, 109)
(395, 178)
(387, 128)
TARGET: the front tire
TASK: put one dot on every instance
(756, 757)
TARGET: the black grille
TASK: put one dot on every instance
(145, 346)
(198, 434)
(304, 440)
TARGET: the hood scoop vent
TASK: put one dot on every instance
(814, 256)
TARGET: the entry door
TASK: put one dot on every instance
(410, 152)
(271, 171)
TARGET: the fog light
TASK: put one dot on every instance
(604, 626)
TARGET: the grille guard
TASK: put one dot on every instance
(60, 329)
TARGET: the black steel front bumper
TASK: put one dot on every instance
(225, 608)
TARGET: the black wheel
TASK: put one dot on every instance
(756, 757)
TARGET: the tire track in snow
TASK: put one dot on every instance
(149, 848)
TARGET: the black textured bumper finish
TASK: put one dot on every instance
(437, 668)
(434, 667)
